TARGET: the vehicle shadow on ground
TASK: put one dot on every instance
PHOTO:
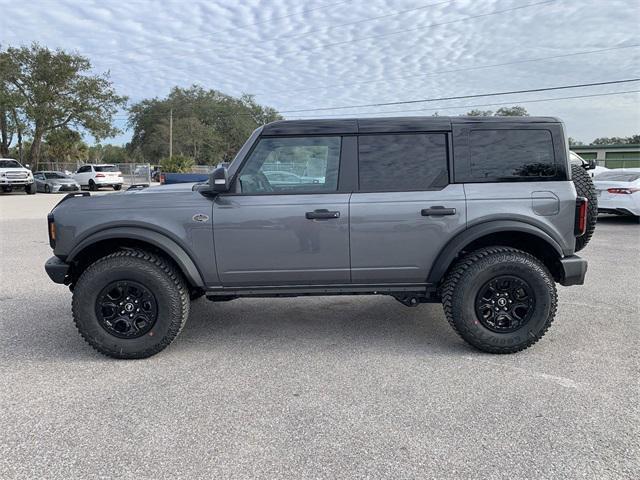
(376, 322)
(268, 325)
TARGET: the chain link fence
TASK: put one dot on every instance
(132, 173)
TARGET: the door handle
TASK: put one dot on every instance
(437, 211)
(321, 214)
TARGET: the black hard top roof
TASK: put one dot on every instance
(385, 124)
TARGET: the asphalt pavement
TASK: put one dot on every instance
(323, 387)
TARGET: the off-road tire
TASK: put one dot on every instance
(153, 272)
(467, 276)
(92, 186)
(117, 187)
(585, 188)
(30, 189)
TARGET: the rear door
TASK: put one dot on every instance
(274, 231)
(405, 209)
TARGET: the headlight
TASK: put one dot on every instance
(3, 174)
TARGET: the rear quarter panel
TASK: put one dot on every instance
(549, 206)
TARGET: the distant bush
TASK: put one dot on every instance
(177, 164)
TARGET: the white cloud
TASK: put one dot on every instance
(288, 57)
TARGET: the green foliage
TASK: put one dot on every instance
(574, 143)
(110, 154)
(53, 89)
(515, 111)
(479, 113)
(632, 140)
(177, 164)
(208, 125)
(63, 144)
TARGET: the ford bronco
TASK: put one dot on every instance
(480, 214)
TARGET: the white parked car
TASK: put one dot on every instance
(598, 170)
(14, 175)
(618, 191)
(96, 176)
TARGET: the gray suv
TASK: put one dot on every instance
(480, 214)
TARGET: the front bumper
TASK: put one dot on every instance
(574, 270)
(4, 182)
(57, 270)
(65, 187)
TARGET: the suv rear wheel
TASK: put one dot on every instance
(130, 304)
(499, 299)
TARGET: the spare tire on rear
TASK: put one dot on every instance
(585, 188)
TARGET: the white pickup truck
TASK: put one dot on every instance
(14, 175)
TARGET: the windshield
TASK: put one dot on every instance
(106, 168)
(10, 164)
(55, 175)
(619, 176)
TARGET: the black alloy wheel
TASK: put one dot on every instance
(126, 309)
(505, 303)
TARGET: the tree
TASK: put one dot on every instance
(634, 139)
(574, 143)
(208, 126)
(64, 144)
(515, 111)
(177, 164)
(54, 90)
(109, 154)
(479, 113)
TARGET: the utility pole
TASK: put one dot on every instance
(170, 134)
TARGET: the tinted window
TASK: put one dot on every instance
(297, 165)
(499, 154)
(84, 169)
(9, 164)
(106, 168)
(55, 175)
(402, 162)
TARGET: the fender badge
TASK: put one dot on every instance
(200, 217)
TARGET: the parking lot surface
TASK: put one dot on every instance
(326, 387)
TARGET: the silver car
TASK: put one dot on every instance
(53, 182)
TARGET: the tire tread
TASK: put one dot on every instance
(456, 273)
(165, 268)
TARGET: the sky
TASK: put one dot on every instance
(317, 54)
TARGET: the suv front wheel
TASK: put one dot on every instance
(130, 304)
(499, 299)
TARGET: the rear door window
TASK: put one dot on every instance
(402, 162)
(511, 154)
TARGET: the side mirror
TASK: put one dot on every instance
(219, 180)
(27, 166)
(592, 164)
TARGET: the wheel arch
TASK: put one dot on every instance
(520, 235)
(107, 241)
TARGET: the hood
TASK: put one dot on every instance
(15, 169)
(159, 189)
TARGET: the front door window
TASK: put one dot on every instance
(292, 165)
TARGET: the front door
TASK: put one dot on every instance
(286, 222)
(405, 210)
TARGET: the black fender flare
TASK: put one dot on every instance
(448, 254)
(177, 253)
